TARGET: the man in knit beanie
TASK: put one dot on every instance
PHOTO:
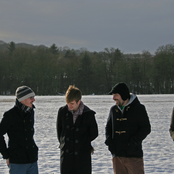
(22, 153)
(127, 126)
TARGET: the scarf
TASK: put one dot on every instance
(78, 112)
(24, 108)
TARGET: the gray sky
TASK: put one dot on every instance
(130, 25)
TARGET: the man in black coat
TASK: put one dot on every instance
(171, 130)
(22, 153)
(127, 126)
(76, 128)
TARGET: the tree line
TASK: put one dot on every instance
(50, 71)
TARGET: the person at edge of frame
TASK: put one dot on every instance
(76, 128)
(22, 153)
(171, 129)
(127, 126)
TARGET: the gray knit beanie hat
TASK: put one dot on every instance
(24, 92)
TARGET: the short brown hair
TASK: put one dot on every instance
(73, 93)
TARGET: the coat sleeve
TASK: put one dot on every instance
(143, 124)
(171, 130)
(4, 127)
(59, 125)
(93, 128)
(108, 128)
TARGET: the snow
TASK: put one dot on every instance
(158, 147)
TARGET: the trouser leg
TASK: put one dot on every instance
(30, 168)
(17, 168)
(118, 165)
(135, 165)
(33, 168)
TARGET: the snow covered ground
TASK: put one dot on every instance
(158, 146)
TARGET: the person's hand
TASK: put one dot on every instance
(7, 161)
(92, 150)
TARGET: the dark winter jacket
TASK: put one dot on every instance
(171, 130)
(19, 127)
(75, 140)
(126, 130)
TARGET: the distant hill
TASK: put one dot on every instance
(4, 45)
(2, 42)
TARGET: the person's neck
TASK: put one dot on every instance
(125, 102)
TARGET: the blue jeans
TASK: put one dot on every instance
(31, 168)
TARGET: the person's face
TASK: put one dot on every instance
(73, 106)
(117, 98)
(28, 102)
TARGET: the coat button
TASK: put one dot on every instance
(77, 129)
(67, 116)
(76, 153)
(76, 141)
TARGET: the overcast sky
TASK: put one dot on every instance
(130, 25)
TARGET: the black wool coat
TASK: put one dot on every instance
(19, 127)
(171, 130)
(75, 140)
(126, 131)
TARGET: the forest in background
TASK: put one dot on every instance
(50, 71)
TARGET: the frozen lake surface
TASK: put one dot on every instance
(158, 146)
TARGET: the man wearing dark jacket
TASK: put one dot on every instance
(22, 153)
(127, 126)
(76, 128)
(171, 130)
